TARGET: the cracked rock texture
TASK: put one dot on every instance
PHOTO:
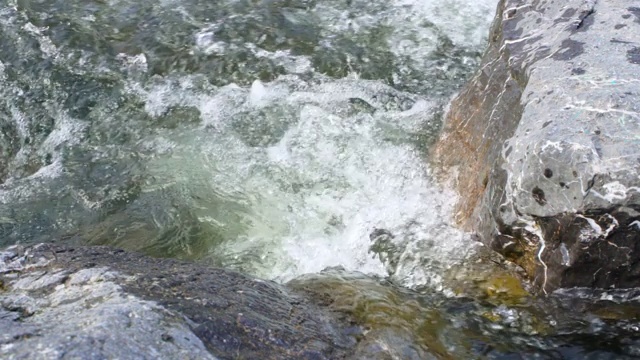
(99, 303)
(543, 144)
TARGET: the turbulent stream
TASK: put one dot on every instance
(275, 137)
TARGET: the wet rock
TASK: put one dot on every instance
(97, 302)
(404, 324)
(397, 325)
(542, 144)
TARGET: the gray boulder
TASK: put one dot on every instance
(543, 144)
(100, 303)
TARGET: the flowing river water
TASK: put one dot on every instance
(278, 138)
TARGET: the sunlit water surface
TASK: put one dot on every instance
(278, 138)
(275, 137)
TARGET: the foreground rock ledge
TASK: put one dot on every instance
(97, 303)
(543, 144)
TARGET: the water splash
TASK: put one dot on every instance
(317, 168)
(273, 137)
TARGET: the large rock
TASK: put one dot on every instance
(100, 303)
(543, 144)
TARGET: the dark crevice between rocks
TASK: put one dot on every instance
(517, 245)
(590, 185)
(585, 19)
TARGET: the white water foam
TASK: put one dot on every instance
(310, 199)
(309, 176)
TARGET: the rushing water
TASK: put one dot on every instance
(276, 137)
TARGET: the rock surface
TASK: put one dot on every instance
(97, 303)
(543, 144)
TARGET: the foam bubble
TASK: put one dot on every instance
(311, 199)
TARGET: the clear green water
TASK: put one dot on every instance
(278, 138)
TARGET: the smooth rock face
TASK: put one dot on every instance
(99, 303)
(543, 144)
